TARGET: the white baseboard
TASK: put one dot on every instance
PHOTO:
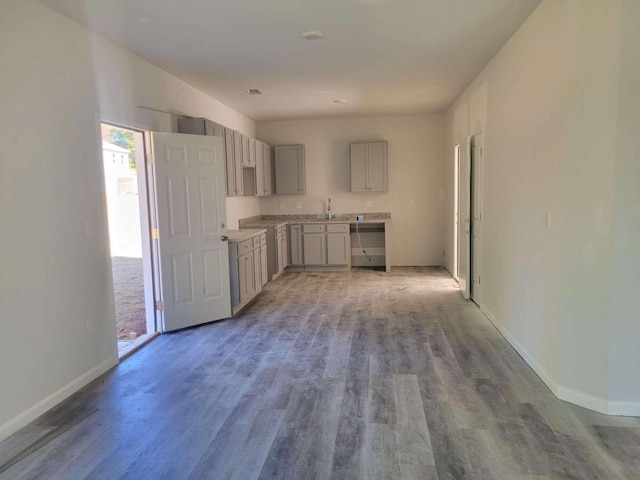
(55, 398)
(582, 399)
(624, 409)
(535, 366)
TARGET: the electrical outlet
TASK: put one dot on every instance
(368, 203)
(412, 203)
(298, 205)
(281, 205)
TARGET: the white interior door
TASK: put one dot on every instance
(464, 223)
(192, 227)
(476, 215)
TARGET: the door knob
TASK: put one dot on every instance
(224, 238)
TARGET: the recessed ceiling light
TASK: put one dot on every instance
(254, 91)
(340, 100)
(313, 35)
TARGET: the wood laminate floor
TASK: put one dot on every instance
(328, 376)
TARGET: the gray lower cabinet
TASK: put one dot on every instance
(248, 269)
(338, 249)
(247, 276)
(281, 249)
(295, 245)
(326, 245)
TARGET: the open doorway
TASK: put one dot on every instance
(127, 212)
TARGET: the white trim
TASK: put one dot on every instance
(624, 408)
(583, 399)
(29, 415)
(586, 400)
(535, 366)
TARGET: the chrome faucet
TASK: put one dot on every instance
(329, 209)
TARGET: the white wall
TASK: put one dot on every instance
(549, 106)
(56, 299)
(415, 173)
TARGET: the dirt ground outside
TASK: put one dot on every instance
(128, 289)
(126, 263)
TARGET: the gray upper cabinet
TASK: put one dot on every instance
(200, 126)
(369, 170)
(289, 169)
(234, 169)
(263, 169)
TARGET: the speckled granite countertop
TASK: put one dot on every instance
(244, 234)
(265, 221)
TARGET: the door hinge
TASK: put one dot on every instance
(155, 233)
(159, 305)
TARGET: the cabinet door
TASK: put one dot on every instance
(338, 249)
(245, 150)
(237, 162)
(267, 169)
(247, 276)
(289, 169)
(295, 242)
(282, 253)
(232, 187)
(257, 269)
(264, 276)
(377, 167)
(260, 170)
(359, 167)
(214, 129)
(252, 152)
(314, 248)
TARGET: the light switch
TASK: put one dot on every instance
(368, 203)
(281, 205)
(412, 203)
(298, 205)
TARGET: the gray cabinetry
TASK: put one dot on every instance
(369, 166)
(289, 169)
(247, 266)
(328, 245)
(314, 244)
(281, 250)
(234, 169)
(263, 169)
(295, 245)
(338, 244)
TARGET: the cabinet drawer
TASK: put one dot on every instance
(281, 231)
(245, 246)
(313, 228)
(338, 228)
(261, 240)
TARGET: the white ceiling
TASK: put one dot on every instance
(382, 56)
